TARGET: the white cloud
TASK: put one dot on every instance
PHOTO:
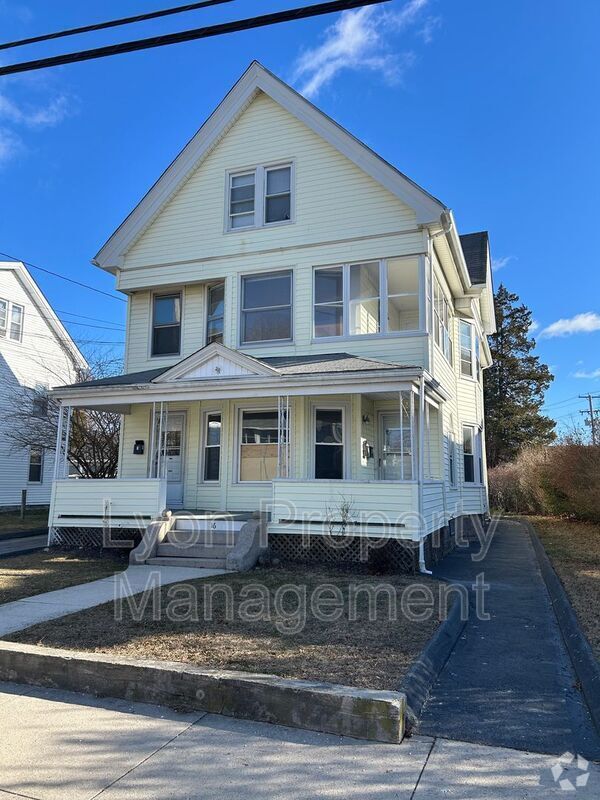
(580, 323)
(10, 145)
(587, 375)
(535, 325)
(358, 39)
(14, 117)
(500, 263)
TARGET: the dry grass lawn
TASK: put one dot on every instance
(365, 652)
(11, 522)
(34, 573)
(574, 549)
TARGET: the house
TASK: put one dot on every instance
(36, 354)
(306, 335)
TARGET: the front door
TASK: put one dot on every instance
(390, 459)
(172, 454)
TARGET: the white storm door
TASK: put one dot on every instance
(173, 459)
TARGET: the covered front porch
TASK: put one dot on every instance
(341, 452)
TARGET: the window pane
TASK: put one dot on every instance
(267, 325)
(213, 431)
(403, 313)
(35, 465)
(242, 194)
(167, 310)
(329, 427)
(258, 462)
(364, 317)
(278, 180)
(267, 290)
(216, 299)
(212, 460)
(277, 209)
(468, 440)
(329, 320)
(165, 341)
(329, 462)
(260, 427)
(402, 275)
(329, 285)
(243, 221)
(3, 316)
(16, 323)
(214, 331)
(469, 469)
(364, 280)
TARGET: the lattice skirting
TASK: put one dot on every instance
(357, 553)
(95, 538)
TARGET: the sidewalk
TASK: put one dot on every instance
(63, 746)
(509, 681)
(51, 605)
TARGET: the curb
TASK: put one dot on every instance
(324, 707)
(425, 670)
(582, 657)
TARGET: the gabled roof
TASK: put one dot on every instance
(325, 363)
(476, 249)
(46, 310)
(258, 79)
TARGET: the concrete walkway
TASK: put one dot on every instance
(51, 605)
(64, 746)
(9, 547)
(509, 680)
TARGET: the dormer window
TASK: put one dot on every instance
(259, 197)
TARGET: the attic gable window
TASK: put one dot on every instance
(259, 197)
(11, 321)
(3, 317)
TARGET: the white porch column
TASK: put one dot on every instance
(65, 465)
(283, 437)
(152, 441)
(421, 465)
(59, 435)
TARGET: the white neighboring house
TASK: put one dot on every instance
(35, 351)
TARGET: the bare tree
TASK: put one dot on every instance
(32, 422)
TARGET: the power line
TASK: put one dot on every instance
(113, 23)
(82, 316)
(592, 413)
(63, 277)
(291, 15)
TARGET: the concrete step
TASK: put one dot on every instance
(209, 522)
(198, 563)
(191, 538)
(169, 550)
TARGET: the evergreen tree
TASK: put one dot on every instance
(514, 385)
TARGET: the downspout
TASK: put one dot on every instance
(422, 566)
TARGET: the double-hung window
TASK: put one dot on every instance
(259, 197)
(442, 321)
(11, 320)
(472, 459)
(266, 308)
(259, 448)
(215, 313)
(212, 447)
(329, 443)
(470, 351)
(36, 464)
(166, 325)
(366, 298)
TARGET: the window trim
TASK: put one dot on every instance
(260, 194)
(41, 480)
(238, 438)
(476, 369)
(209, 287)
(476, 455)
(6, 331)
(446, 344)
(204, 435)
(383, 300)
(347, 443)
(166, 293)
(241, 311)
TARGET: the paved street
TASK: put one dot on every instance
(62, 746)
(9, 547)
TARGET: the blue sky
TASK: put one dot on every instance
(490, 106)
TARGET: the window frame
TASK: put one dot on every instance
(442, 329)
(475, 350)
(6, 330)
(346, 441)
(476, 455)
(238, 450)
(260, 195)
(384, 296)
(241, 310)
(153, 297)
(205, 446)
(41, 466)
(209, 288)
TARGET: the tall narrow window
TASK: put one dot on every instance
(329, 302)
(466, 348)
(329, 443)
(241, 200)
(442, 321)
(212, 447)
(278, 194)
(3, 317)
(364, 298)
(451, 453)
(259, 445)
(36, 464)
(267, 308)
(402, 294)
(16, 322)
(166, 325)
(469, 453)
(215, 313)
(477, 356)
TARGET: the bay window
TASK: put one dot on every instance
(366, 298)
(266, 312)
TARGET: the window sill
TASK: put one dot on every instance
(284, 223)
(267, 343)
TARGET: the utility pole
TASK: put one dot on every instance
(592, 421)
